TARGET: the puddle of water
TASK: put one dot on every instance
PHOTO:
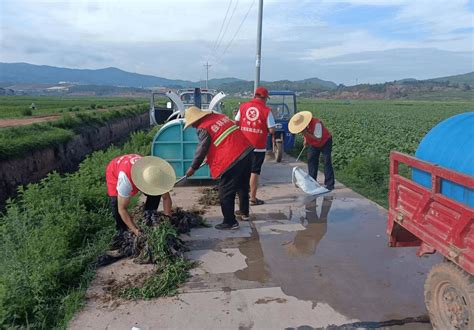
(340, 258)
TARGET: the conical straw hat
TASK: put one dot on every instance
(299, 121)
(153, 175)
(193, 114)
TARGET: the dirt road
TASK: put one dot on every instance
(300, 263)
(11, 122)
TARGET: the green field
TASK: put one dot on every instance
(365, 131)
(16, 142)
(18, 106)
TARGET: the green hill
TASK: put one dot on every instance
(466, 78)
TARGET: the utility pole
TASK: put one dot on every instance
(259, 44)
(207, 65)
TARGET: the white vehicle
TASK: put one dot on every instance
(165, 106)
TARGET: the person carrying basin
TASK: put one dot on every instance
(319, 140)
(229, 158)
(256, 120)
(127, 175)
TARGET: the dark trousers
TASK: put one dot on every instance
(151, 204)
(235, 180)
(313, 163)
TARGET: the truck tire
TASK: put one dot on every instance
(278, 150)
(449, 297)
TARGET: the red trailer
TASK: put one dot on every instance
(423, 217)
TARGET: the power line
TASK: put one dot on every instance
(227, 26)
(222, 25)
(237, 31)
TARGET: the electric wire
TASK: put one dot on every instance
(220, 30)
(226, 28)
(236, 32)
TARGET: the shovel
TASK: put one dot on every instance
(184, 177)
(305, 182)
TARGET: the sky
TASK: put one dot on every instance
(345, 41)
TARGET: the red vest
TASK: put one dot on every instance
(120, 164)
(318, 143)
(227, 142)
(253, 122)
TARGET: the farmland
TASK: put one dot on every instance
(18, 106)
(364, 132)
(71, 114)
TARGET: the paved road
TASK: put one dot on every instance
(300, 263)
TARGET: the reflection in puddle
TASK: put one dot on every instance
(306, 241)
(256, 269)
(335, 252)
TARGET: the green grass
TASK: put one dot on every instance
(18, 106)
(22, 140)
(49, 237)
(170, 271)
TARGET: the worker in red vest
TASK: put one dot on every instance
(319, 140)
(228, 156)
(256, 121)
(127, 175)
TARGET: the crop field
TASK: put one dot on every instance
(364, 132)
(21, 140)
(19, 106)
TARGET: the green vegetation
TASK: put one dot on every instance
(51, 235)
(170, 271)
(22, 140)
(364, 133)
(14, 106)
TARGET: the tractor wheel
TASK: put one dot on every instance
(449, 297)
(278, 151)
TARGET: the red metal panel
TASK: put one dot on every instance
(419, 216)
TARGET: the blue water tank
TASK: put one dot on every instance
(178, 147)
(449, 144)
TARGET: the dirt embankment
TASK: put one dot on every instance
(65, 158)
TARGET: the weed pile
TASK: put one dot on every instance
(210, 197)
(159, 244)
(146, 249)
(50, 237)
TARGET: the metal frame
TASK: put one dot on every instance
(419, 216)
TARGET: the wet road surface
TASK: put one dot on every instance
(300, 263)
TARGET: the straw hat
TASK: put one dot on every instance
(153, 175)
(193, 114)
(299, 121)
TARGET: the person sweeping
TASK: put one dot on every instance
(229, 158)
(319, 140)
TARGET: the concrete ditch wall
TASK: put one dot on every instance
(64, 158)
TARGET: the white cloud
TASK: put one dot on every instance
(174, 38)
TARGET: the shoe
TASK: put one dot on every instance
(256, 202)
(226, 226)
(242, 216)
(330, 188)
